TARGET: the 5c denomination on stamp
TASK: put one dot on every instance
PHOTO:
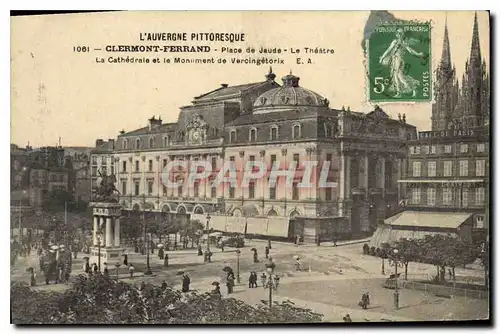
(399, 66)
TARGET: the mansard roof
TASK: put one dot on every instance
(167, 127)
(285, 115)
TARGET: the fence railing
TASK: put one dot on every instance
(442, 290)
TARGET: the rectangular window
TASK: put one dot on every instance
(196, 189)
(164, 163)
(447, 168)
(231, 158)
(251, 158)
(426, 149)
(412, 149)
(417, 149)
(447, 196)
(251, 189)
(272, 192)
(464, 148)
(480, 147)
(480, 167)
(124, 187)
(214, 163)
(431, 168)
(447, 148)
(150, 165)
(104, 161)
(416, 168)
(431, 196)
(274, 133)
(415, 195)
(433, 149)
(231, 192)
(464, 167)
(328, 194)
(295, 191)
(94, 160)
(465, 197)
(137, 166)
(180, 190)
(273, 160)
(124, 166)
(329, 159)
(480, 196)
(479, 221)
(232, 136)
(136, 190)
(150, 188)
(112, 170)
(94, 171)
(213, 190)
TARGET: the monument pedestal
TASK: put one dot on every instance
(106, 232)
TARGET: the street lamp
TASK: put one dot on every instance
(271, 284)
(99, 240)
(148, 271)
(394, 262)
(117, 265)
(207, 229)
(238, 252)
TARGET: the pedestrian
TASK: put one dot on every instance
(161, 253)
(86, 266)
(216, 289)
(347, 318)
(255, 256)
(175, 245)
(335, 244)
(96, 269)
(263, 279)
(200, 251)
(250, 280)
(267, 252)
(450, 274)
(297, 239)
(131, 270)
(222, 246)
(164, 285)
(186, 281)
(125, 260)
(298, 266)
(365, 301)
(269, 244)
(75, 253)
(254, 279)
(209, 256)
(105, 270)
(230, 284)
(32, 276)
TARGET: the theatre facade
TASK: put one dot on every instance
(277, 124)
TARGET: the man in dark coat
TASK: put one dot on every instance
(185, 283)
(267, 252)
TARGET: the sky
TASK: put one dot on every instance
(56, 92)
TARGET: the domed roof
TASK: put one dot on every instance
(289, 95)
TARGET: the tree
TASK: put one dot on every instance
(383, 254)
(101, 300)
(409, 250)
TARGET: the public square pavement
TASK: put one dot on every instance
(331, 283)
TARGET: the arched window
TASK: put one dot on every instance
(181, 136)
(151, 142)
(272, 212)
(232, 136)
(327, 130)
(273, 135)
(165, 141)
(137, 143)
(297, 129)
(253, 134)
(125, 144)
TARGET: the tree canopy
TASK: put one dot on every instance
(101, 300)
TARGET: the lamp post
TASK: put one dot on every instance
(99, 250)
(238, 252)
(207, 229)
(117, 265)
(271, 284)
(148, 271)
(394, 262)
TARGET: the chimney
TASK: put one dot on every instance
(224, 85)
(154, 123)
(99, 142)
(111, 144)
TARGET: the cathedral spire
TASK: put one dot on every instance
(475, 50)
(445, 55)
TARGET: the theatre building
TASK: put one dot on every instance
(277, 124)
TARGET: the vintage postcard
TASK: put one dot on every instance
(250, 167)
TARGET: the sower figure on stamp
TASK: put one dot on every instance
(401, 83)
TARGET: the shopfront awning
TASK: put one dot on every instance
(445, 220)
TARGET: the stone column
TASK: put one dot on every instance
(102, 222)
(365, 175)
(117, 232)
(109, 234)
(382, 174)
(94, 230)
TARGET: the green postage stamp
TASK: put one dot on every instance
(399, 62)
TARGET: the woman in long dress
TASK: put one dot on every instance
(401, 83)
